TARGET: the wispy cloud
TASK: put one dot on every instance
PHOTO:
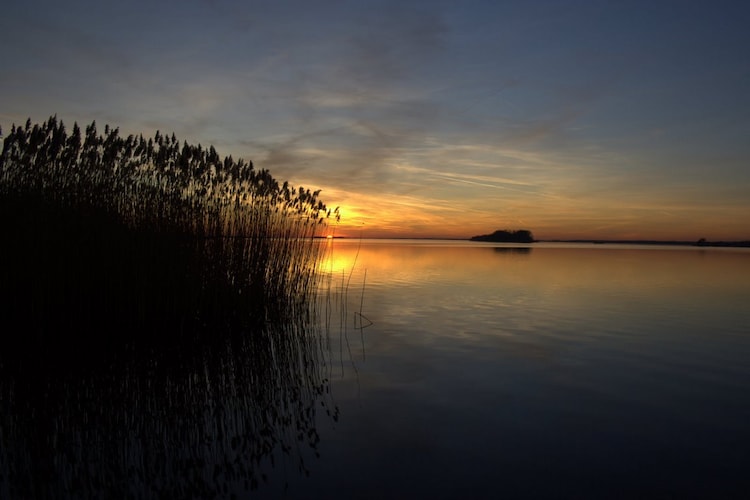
(463, 116)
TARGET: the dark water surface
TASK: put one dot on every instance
(551, 371)
(431, 369)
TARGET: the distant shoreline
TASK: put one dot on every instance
(721, 244)
(701, 243)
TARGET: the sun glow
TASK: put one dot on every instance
(336, 260)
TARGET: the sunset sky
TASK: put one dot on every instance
(573, 119)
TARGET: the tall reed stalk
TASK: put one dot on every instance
(146, 237)
(159, 329)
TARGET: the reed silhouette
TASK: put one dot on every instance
(161, 332)
(111, 239)
(209, 421)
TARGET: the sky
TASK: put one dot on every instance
(572, 119)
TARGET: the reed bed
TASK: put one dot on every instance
(110, 240)
(200, 422)
(160, 319)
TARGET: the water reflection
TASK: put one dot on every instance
(513, 250)
(587, 366)
(214, 420)
(549, 267)
(609, 371)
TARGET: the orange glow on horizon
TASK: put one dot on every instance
(548, 218)
(394, 220)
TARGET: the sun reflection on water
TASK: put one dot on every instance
(337, 259)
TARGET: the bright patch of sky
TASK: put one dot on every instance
(571, 119)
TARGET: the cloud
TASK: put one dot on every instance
(500, 111)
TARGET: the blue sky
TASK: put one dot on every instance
(573, 119)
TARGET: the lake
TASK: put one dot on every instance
(430, 369)
(549, 370)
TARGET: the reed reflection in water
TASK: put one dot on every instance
(159, 330)
(189, 421)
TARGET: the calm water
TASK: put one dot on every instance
(550, 371)
(432, 370)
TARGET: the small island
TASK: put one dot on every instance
(505, 236)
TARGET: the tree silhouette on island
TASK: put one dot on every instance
(505, 236)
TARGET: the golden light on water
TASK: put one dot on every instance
(336, 259)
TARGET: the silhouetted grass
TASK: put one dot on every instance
(202, 421)
(112, 241)
(159, 330)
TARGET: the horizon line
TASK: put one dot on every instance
(700, 242)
